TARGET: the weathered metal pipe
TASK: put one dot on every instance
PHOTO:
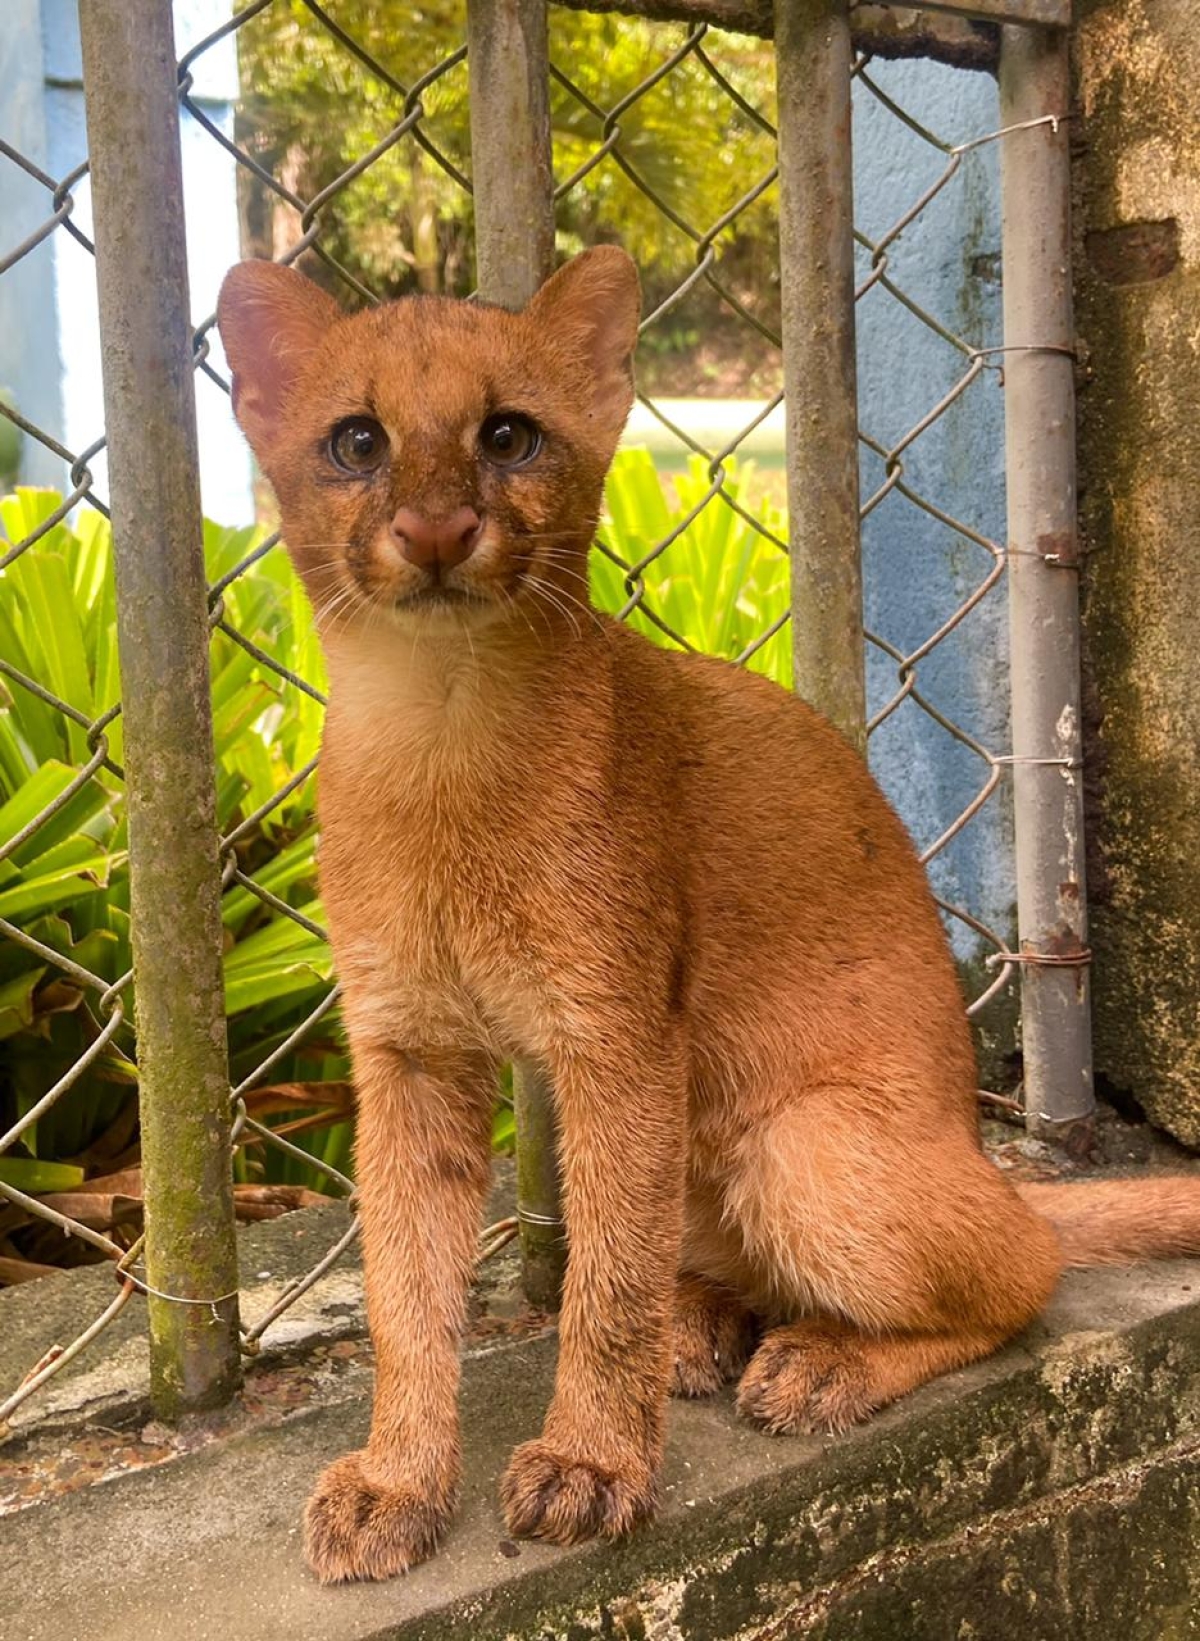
(1039, 404)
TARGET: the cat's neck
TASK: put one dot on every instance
(426, 685)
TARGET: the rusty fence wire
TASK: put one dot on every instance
(266, 670)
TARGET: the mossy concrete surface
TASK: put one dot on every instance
(38, 1317)
(1137, 213)
(1052, 1492)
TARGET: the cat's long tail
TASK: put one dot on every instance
(1118, 1222)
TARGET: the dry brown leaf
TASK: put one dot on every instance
(57, 997)
(13, 1271)
(98, 1210)
(126, 1182)
(255, 1202)
(276, 1097)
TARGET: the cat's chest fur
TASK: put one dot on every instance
(443, 882)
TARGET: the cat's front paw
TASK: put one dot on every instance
(355, 1528)
(566, 1497)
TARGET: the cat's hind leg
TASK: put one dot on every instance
(821, 1375)
(897, 1249)
(715, 1334)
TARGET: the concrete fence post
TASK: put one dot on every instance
(816, 252)
(162, 629)
(508, 65)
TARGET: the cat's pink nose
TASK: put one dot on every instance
(428, 542)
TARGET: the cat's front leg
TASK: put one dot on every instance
(621, 1102)
(422, 1164)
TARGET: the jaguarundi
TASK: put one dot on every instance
(662, 878)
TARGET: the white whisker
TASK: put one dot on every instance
(551, 595)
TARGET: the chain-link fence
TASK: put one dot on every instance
(711, 541)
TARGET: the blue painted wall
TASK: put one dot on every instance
(916, 570)
(30, 360)
(49, 340)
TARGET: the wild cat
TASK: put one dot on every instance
(665, 880)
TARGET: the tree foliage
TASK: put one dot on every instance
(311, 109)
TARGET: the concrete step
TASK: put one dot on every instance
(1050, 1492)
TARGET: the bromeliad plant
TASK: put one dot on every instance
(720, 585)
(66, 885)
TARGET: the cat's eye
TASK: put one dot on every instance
(358, 444)
(508, 439)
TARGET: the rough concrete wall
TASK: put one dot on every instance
(1138, 279)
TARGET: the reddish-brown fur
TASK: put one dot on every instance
(666, 880)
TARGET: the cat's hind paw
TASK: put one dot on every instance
(808, 1379)
(714, 1335)
(356, 1529)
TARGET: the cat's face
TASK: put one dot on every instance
(441, 462)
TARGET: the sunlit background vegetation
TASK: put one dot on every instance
(310, 109)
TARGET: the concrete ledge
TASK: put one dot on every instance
(1051, 1492)
(114, 1371)
(113, 1375)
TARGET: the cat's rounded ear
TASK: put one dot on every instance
(592, 306)
(270, 318)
